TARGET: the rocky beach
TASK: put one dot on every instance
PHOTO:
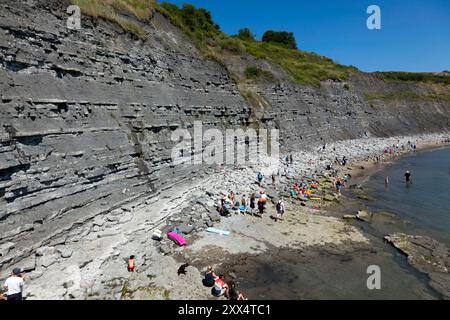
(88, 118)
(90, 262)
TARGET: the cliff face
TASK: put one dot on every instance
(86, 116)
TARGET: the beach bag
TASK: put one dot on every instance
(157, 235)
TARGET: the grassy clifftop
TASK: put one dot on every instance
(197, 23)
(439, 78)
(113, 10)
(303, 67)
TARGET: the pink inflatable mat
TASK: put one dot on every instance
(177, 238)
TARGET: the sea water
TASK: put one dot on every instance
(425, 202)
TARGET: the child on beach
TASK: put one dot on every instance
(233, 293)
(338, 186)
(220, 287)
(131, 264)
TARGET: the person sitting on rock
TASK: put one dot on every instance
(220, 287)
(210, 277)
(233, 293)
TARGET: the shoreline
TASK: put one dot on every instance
(98, 272)
(236, 256)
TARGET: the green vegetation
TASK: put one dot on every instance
(257, 73)
(416, 77)
(279, 48)
(283, 38)
(303, 67)
(246, 34)
(196, 23)
(112, 10)
(411, 96)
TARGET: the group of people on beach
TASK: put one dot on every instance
(252, 205)
(221, 288)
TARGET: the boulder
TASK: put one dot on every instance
(209, 224)
(28, 264)
(35, 275)
(45, 251)
(5, 248)
(364, 216)
(165, 249)
(48, 260)
(187, 229)
(65, 252)
(214, 216)
(329, 197)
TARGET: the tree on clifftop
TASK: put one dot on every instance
(282, 37)
(246, 34)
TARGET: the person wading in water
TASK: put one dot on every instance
(408, 177)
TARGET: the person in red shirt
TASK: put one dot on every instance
(220, 287)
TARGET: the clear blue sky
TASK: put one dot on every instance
(415, 34)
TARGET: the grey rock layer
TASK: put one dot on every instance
(428, 256)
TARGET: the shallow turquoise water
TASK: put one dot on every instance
(426, 202)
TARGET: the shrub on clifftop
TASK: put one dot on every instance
(287, 39)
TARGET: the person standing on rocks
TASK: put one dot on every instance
(252, 203)
(14, 285)
(280, 209)
(260, 177)
(260, 207)
(338, 186)
(291, 159)
(131, 264)
(244, 204)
